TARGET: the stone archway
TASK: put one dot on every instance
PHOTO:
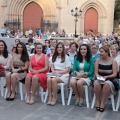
(17, 7)
(91, 20)
(32, 16)
(101, 14)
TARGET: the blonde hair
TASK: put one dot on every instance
(115, 46)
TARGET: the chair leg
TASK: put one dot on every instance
(66, 92)
(86, 95)
(46, 95)
(89, 93)
(70, 95)
(41, 94)
(93, 102)
(21, 90)
(113, 103)
(2, 86)
(118, 101)
(6, 90)
(62, 94)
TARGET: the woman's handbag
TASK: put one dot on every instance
(2, 71)
(1, 68)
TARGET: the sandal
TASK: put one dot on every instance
(81, 104)
(76, 103)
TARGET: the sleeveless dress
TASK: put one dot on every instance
(38, 65)
(105, 69)
(18, 63)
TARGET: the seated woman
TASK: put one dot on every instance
(38, 69)
(19, 65)
(73, 52)
(105, 67)
(83, 70)
(14, 47)
(114, 49)
(94, 51)
(60, 65)
(5, 59)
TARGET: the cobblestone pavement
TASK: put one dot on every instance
(19, 110)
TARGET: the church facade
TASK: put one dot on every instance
(97, 15)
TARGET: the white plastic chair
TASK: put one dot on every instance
(112, 100)
(2, 84)
(118, 101)
(20, 90)
(86, 95)
(62, 87)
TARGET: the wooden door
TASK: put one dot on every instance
(32, 16)
(91, 20)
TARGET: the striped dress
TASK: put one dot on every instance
(105, 69)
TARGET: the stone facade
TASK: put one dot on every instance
(60, 11)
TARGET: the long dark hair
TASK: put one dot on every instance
(36, 46)
(56, 53)
(24, 56)
(5, 52)
(88, 55)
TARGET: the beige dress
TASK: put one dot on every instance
(5, 62)
(18, 63)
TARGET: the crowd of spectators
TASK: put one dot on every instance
(89, 59)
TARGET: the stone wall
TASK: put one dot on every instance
(60, 10)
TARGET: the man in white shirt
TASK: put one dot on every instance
(30, 31)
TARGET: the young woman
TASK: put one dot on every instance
(19, 67)
(94, 52)
(105, 67)
(83, 70)
(38, 69)
(73, 52)
(60, 65)
(14, 47)
(5, 59)
(114, 49)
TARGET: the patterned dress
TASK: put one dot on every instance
(105, 69)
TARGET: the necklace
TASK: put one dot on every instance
(59, 56)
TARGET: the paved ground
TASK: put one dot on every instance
(19, 110)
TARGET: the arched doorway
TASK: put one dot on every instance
(91, 20)
(32, 16)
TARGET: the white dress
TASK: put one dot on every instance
(87, 80)
(58, 66)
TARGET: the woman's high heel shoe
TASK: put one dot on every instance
(28, 99)
(53, 102)
(32, 100)
(11, 99)
(102, 109)
(8, 98)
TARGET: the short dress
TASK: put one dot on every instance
(58, 66)
(18, 63)
(87, 80)
(38, 65)
(105, 69)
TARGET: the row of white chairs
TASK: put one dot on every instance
(64, 89)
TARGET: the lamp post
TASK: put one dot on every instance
(18, 23)
(76, 14)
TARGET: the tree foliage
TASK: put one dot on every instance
(117, 10)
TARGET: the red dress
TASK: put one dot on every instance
(37, 65)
